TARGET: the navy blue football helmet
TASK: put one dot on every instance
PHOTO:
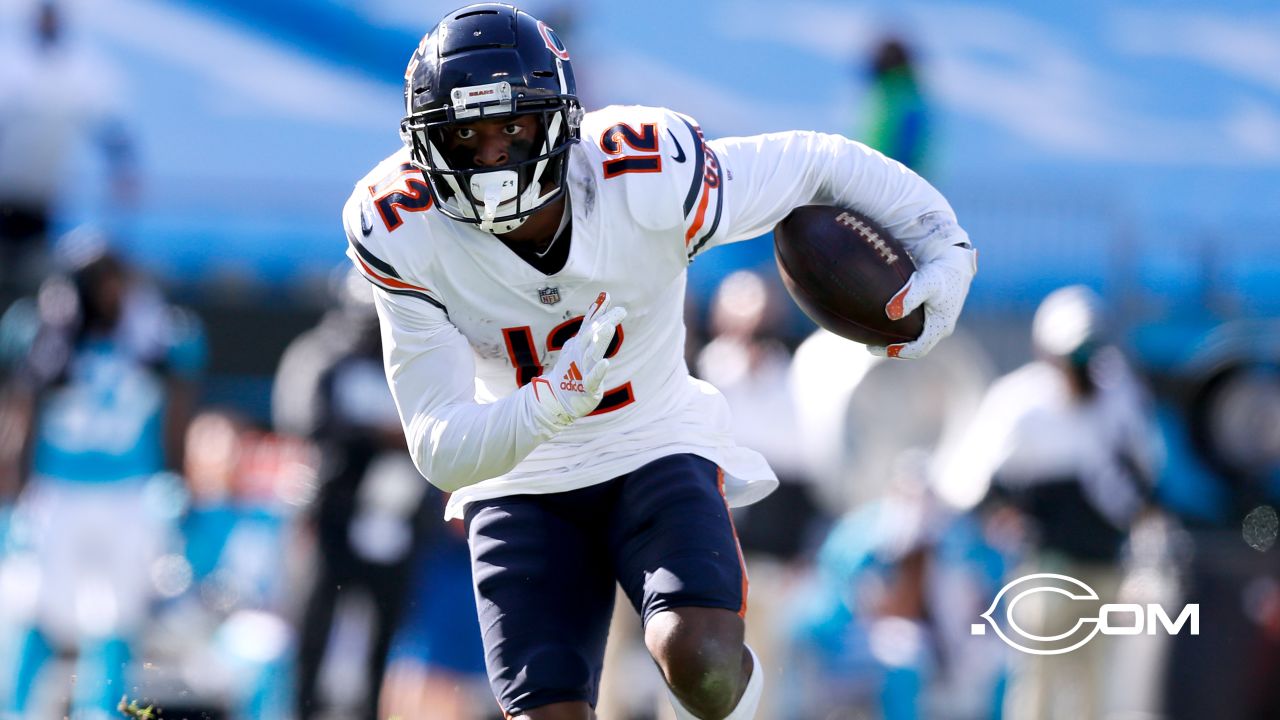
(484, 61)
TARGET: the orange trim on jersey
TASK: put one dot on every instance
(624, 391)
(701, 216)
(597, 303)
(551, 335)
(742, 562)
(535, 382)
(390, 281)
(632, 164)
(616, 345)
(616, 137)
(391, 177)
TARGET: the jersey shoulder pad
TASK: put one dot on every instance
(387, 221)
(655, 155)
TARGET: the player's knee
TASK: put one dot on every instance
(700, 653)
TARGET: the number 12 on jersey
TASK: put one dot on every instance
(524, 357)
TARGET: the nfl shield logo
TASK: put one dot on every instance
(549, 295)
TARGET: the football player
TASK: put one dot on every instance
(504, 241)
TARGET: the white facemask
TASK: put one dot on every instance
(498, 190)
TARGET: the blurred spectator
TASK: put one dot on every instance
(54, 95)
(1068, 441)
(897, 119)
(897, 566)
(850, 444)
(330, 388)
(750, 365)
(1222, 418)
(436, 666)
(882, 627)
(221, 636)
(104, 381)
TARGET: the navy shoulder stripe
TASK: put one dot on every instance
(374, 260)
(412, 294)
(698, 167)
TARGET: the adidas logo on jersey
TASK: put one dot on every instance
(573, 379)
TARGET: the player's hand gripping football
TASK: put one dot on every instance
(941, 285)
(575, 385)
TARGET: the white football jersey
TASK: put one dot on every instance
(467, 323)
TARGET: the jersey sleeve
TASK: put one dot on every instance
(761, 179)
(453, 440)
(369, 248)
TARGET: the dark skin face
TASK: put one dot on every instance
(493, 142)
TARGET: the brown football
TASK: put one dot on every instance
(842, 268)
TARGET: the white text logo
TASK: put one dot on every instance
(1112, 618)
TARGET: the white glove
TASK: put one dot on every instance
(575, 385)
(941, 285)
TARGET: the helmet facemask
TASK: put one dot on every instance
(497, 199)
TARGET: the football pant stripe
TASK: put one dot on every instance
(742, 563)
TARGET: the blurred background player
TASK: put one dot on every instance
(104, 382)
(368, 511)
(55, 97)
(435, 667)
(1220, 411)
(881, 627)
(220, 644)
(896, 118)
(878, 626)
(1069, 443)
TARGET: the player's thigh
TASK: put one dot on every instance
(544, 595)
(673, 539)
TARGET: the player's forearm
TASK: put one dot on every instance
(781, 171)
(908, 206)
(465, 443)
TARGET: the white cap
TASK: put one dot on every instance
(1069, 318)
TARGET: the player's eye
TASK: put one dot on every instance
(464, 133)
(513, 129)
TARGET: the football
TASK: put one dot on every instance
(842, 268)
